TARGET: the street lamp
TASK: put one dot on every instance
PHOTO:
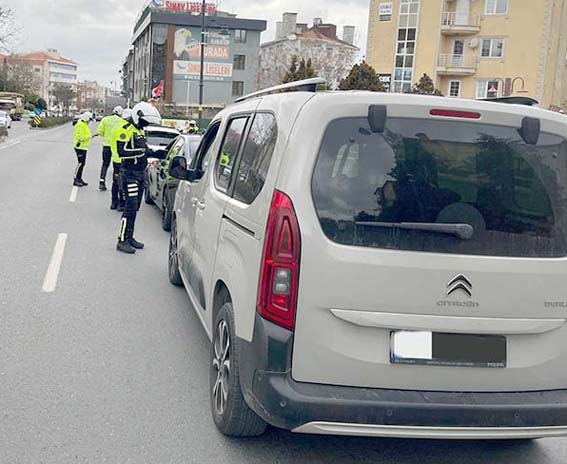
(201, 73)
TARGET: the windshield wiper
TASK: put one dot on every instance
(461, 231)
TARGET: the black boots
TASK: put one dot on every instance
(125, 247)
(113, 206)
(102, 187)
(137, 245)
(79, 183)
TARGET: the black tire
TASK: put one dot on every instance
(232, 416)
(165, 215)
(147, 198)
(173, 261)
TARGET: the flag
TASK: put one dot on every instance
(158, 91)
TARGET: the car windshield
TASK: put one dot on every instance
(7, 106)
(404, 188)
(160, 138)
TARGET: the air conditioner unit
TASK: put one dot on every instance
(474, 43)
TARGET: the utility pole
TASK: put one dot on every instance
(202, 73)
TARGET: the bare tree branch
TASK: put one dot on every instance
(9, 30)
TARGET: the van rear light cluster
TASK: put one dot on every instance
(279, 273)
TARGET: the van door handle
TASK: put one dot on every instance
(194, 201)
(201, 205)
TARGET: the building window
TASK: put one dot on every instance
(237, 88)
(405, 49)
(496, 7)
(487, 89)
(240, 36)
(239, 62)
(385, 11)
(492, 48)
(454, 88)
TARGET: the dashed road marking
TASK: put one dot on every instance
(52, 274)
(74, 192)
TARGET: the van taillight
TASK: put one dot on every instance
(279, 273)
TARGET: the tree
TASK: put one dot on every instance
(425, 86)
(64, 96)
(8, 28)
(299, 72)
(362, 77)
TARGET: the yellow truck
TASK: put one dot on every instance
(13, 103)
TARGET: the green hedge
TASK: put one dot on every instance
(51, 122)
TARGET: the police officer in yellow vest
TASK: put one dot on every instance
(106, 129)
(131, 147)
(82, 140)
(118, 199)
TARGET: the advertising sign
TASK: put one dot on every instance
(187, 51)
(386, 80)
(184, 7)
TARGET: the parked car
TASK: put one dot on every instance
(158, 139)
(5, 120)
(160, 187)
(371, 264)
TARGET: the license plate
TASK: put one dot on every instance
(442, 349)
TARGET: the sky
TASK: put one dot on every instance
(97, 33)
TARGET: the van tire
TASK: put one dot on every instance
(147, 198)
(236, 418)
(173, 258)
(165, 215)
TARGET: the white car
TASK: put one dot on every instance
(378, 264)
(5, 120)
(158, 139)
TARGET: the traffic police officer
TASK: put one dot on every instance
(131, 147)
(118, 199)
(82, 140)
(193, 127)
(106, 129)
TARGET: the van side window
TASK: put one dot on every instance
(229, 150)
(256, 158)
(203, 156)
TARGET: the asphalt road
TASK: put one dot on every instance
(112, 365)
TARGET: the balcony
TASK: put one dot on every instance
(456, 23)
(456, 65)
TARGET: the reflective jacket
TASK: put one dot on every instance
(107, 127)
(114, 135)
(131, 147)
(82, 135)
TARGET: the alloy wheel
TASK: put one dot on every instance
(221, 365)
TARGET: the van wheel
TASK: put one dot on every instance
(165, 216)
(232, 416)
(173, 266)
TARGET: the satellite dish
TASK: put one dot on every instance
(474, 43)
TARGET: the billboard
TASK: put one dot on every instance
(187, 55)
(184, 7)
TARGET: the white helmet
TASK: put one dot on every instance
(118, 110)
(127, 113)
(193, 122)
(86, 116)
(144, 114)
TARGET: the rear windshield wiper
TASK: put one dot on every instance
(462, 231)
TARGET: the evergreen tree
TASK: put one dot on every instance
(425, 86)
(301, 71)
(362, 77)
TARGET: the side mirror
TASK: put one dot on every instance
(178, 170)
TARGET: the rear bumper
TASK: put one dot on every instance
(326, 409)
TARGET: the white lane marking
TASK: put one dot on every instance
(10, 144)
(50, 281)
(74, 192)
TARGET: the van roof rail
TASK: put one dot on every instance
(306, 85)
(527, 101)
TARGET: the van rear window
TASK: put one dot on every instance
(442, 187)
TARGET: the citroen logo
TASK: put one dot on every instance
(460, 283)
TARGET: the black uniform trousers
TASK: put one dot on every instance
(133, 186)
(81, 161)
(117, 190)
(106, 157)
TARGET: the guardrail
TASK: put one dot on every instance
(455, 19)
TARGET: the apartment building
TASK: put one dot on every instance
(473, 48)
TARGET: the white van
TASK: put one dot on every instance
(379, 264)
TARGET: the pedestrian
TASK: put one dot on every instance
(193, 127)
(105, 129)
(82, 141)
(118, 198)
(131, 147)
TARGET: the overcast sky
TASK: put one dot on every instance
(97, 33)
